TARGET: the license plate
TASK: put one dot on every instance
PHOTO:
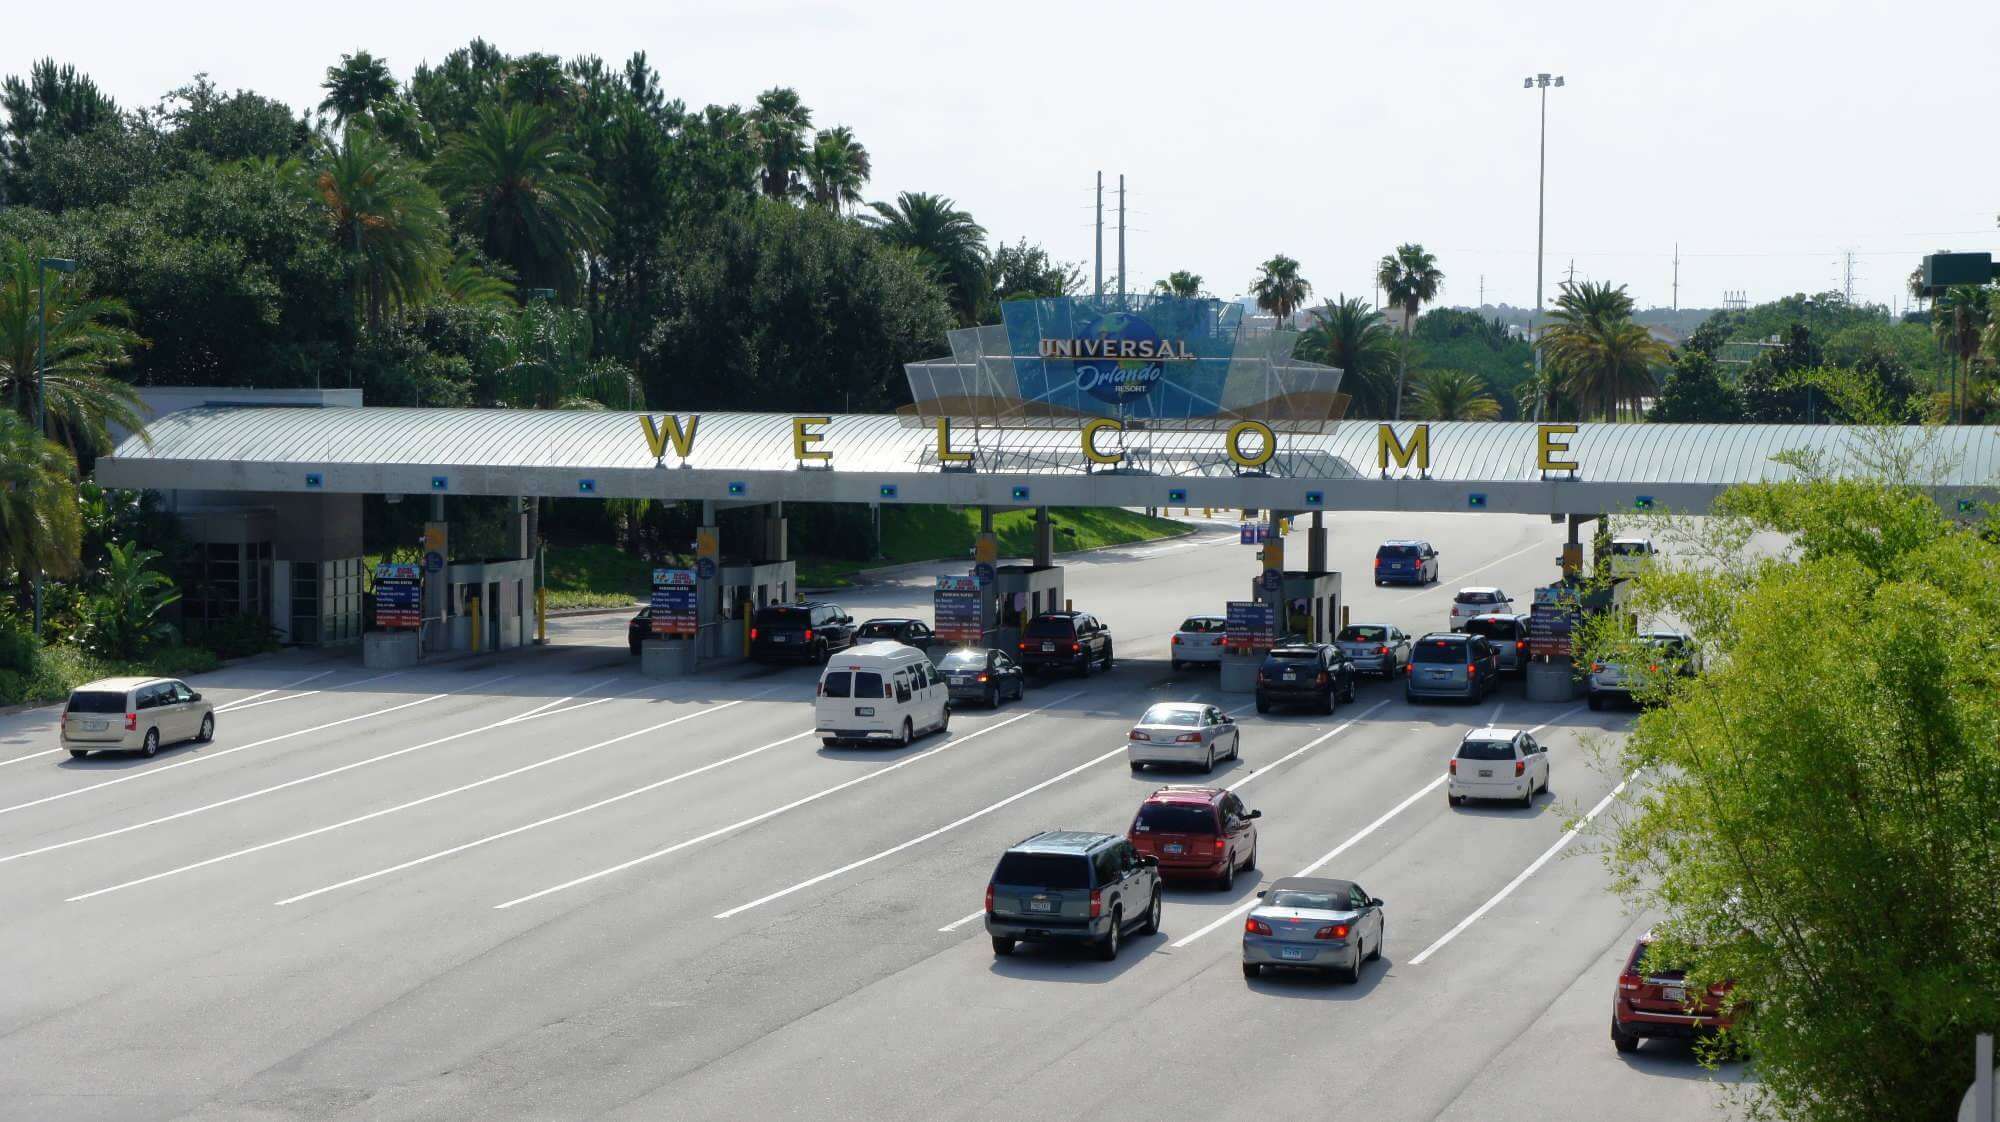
(1174, 849)
(1438, 675)
(1674, 993)
(1041, 905)
(1048, 646)
(1485, 773)
(93, 726)
(780, 639)
(864, 710)
(1293, 953)
(1291, 675)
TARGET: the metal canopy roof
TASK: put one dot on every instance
(749, 457)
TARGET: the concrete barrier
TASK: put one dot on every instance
(389, 650)
(666, 658)
(1554, 680)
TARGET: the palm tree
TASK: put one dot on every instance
(543, 362)
(944, 238)
(525, 194)
(85, 341)
(836, 168)
(1180, 282)
(124, 619)
(356, 86)
(1452, 395)
(466, 281)
(41, 525)
(381, 217)
(1349, 334)
(538, 79)
(1597, 354)
(1408, 277)
(1959, 316)
(778, 127)
(1279, 288)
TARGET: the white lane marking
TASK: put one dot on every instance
(921, 838)
(246, 703)
(653, 786)
(30, 756)
(243, 747)
(1307, 746)
(242, 702)
(1524, 874)
(775, 811)
(1243, 909)
(295, 782)
(1440, 586)
(373, 814)
(228, 705)
(954, 925)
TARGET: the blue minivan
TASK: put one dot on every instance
(1405, 561)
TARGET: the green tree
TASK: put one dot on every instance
(1022, 271)
(52, 103)
(238, 126)
(468, 281)
(41, 526)
(778, 129)
(1695, 392)
(1408, 277)
(382, 218)
(544, 362)
(1279, 289)
(126, 614)
(1181, 283)
(525, 194)
(1959, 317)
(356, 86)
(945, 239)
(1353, 336)
(836, 168)
(538, 80)
(86, 340)
(1773, 391)
(1602, 359)
(1840, 752)
(1451, 395)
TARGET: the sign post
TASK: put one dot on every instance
(956, 610)
(1251, 627)
(675, 613)
(399, 596)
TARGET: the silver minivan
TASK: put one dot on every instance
(134, 715)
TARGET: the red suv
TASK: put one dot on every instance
(1656, 1003)
(1197, 833)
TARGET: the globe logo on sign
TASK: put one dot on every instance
(1120, 380)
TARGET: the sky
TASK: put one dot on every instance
(1767, 140)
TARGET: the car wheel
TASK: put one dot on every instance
(819, 653)
(993, 697)
(1083, 668)
(1251, 969)
(1382, 938)
(1263, 704)
(151, 746)
(1353, 973)
(1176, 664)
(1327, 703)
(1347, 695)
(944, 721)
(1209, 764)
(1528, 800)
(1108, 949)
(1455, 800)
(1137, 767)
(78, 753)
(1153, 915)
(1624, 1041)
(1227, 881)
(207, 732)
(1408, 697)
(1596, 701)
(830, 742)
(908, 734)
(1110, 660)
(1002, 946)
(1236, 746)
(635, 649)
(1250, 866)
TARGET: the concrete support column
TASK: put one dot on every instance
(1045, 539)
(777, 534)
(708, 590)
(986, 551)
(1316, 545)
(437, 585)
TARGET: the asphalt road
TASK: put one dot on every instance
(541, 886)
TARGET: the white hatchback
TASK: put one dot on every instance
(1494, 763)
(1198, 640)
(1483, 600)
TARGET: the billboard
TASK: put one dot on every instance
(399, 596)
(675, 615)
(1251, 626)
(955, 610)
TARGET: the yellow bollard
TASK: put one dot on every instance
(542, 616)
(472, 609)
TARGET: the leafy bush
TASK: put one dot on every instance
(122, 620)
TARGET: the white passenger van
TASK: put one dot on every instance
(880, 693)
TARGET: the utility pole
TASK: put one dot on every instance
(1121, 239)
(1847, 275)
(1482, 290)
(1541, 82)
(1100, 235)
(1677, 276)
(1571, 277)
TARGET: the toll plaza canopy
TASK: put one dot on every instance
(1103, 460)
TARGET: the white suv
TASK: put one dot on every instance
(1483, 600)
(1498, 764)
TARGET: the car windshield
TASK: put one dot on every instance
(1171, 715)
(964, 660)
(1174, 818)
(1440, 650)
(1202, 624)
(1044, 870)
(1364, 634)
(1397, 551)
(1294, 656)
(839, 683)
(1486, 750)
(877, 631)
(1050, 628)
(96, 701)
(783, 617)
(1476, 598)
(867, 683)
(1293, 898)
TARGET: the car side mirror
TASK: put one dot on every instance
(1255, 814)
(1228, 720)
(194, 697)
(1260, 894)
(1375, 901)
(1149, 861)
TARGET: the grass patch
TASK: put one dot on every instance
(936, 533)
(62, 668)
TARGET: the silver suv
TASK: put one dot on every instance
(1066, 885)
(134, 715)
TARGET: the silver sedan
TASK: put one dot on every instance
(1183, 732)
(1375, 648)
(1315, 923)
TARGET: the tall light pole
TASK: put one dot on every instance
(1541, 82)
(42, 267)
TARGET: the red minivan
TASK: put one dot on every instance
(1202, 833)
(1656, 1003)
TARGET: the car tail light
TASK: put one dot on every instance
(1255, 926)
(1454, 766)
(989, 899)
(809, 634)
(1629, 981)
(1023, 646)
(1520, 644)
(1597, 668)
(1520, 768)
(753, 634)
(1472, 669)
(1331, 931)
(131, 722)
(888, 689)
(1075, 647)
(1322, 678)
(1378, 562)
(1096, 902)
(1135, 734)
(1188, 738)
(1177, 640)
(982, 677)
(1381, 650)
(1221, 844)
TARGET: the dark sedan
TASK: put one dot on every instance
(909, 632)
(639, 630)
(988, 677)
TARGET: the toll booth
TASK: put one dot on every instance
(490, 605)
(1020, 593)
(745, 588)
(1310, 606)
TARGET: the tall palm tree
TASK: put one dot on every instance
(1959, 316)
(543, 362)
(778, 127)
(356, 86)
(1279, 288)
(944, 238)
(1451, 395)
(525, 194)
(1180, 282)
(538, 79)
(836, 168)
(466, 281)
(381, 217)
(1408, 277)
(85, 341)
(1353, 336)
(41, 525)
(1599, 357)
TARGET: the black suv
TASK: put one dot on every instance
(803, 631)
(1065, 885)
(1066, 641)
(640, 629)
(1317, 674)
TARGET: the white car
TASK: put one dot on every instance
(1198, 640)
(1630, 557)
(1493, 763)
(1482, 600)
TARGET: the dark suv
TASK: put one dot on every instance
(1065, 641)
(1066, 885)
(802, 631)
(1317, 674)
